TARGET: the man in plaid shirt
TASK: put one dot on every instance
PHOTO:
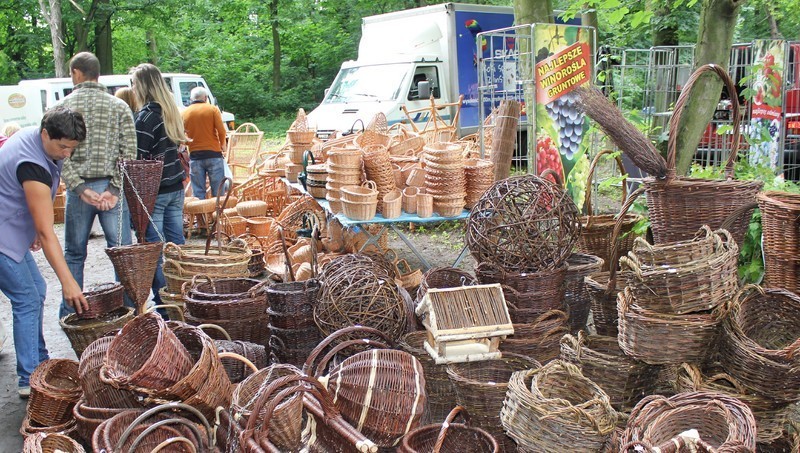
(91, 175)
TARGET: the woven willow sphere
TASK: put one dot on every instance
(523, 224)
(356, 291)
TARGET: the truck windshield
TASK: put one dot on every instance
(368, 83)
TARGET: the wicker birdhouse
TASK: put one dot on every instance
(465, 324)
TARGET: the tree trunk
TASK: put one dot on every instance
(533, 11)
(152, 47)
(52, 14)
(714, 40)
(589, 18)
(774, 32)
(102, 38)
(276, 46)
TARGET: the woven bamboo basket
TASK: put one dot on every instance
(439, 388)
(449, 437)
(194, 259)
(252, 329)
(539, 340)
(378, 168)
(556, 408)
(770, 416)
(231, 298)
(145, 354)
(345, 157)
(142, 179)
(678, 206)
(359, 211)
(366, 192)
(86, 424)
(576, 294)
(480, 176)
(424, 205)
(781, 239)
(97, 393)
(528, 294)
(51, 443)
(410, 200)
(392, 204)
(596, 234)
(624, 379)
(30, 428)
(481, 388)
(760, 340)
(233, 226)
(102, 298)
(82, 332)
(723, 423)
(55, 388)
(443, 153)
(660, 338)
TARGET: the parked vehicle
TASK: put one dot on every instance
(52, 91)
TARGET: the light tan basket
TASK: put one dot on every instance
(293, 171)
(416, 177)
(358, 210)
(345, 157)
(366, 192)
(259, 226)
(424, 205)
(393, 204)
(252, 208)
(317, 191)
(334, 204)
(410, 199)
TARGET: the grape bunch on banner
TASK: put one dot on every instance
(564, 58)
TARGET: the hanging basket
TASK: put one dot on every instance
(141, 189)
(135, 266)
(679, 206)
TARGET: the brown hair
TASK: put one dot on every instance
(87, 63)
(149, 86)
(127, 95)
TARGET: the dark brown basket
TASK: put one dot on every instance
(96, 392)
(51, 443)
(603, 303)
(576, 294)
(449, 437)
(293, 298)
(83, 332)
(255, 353)
(724, 423)
(229, 298)
(659, 338)
(102, 299)
(444, 277)
(142, 179)
(120, 432)
(437, 384)
(343, 344)
(540, 339)
(253, 329)
(556, 408)
(481, 388)
(293, 346)
(146, 354)
(30, 428)
(86, 423)
(781, 239)
(596, 238)
(770, 416)
(55, 388)
(679, 206)
(600, 359)
(529, 295)
(135, 266)
(761, 336)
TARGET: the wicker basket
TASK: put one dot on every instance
(444, 277)
(102, 299)
(600, 359)
(359, 211)
(576, 294)
(55, 388)
(98, 394)
(252, 208)
(230, 298)
(366, 192)
(51, 443)
(237, 370)
(678, 206)
(760, 340)
(141, 182)
(449, 437)
(540, 339)
(596, 234)
(528, 294)
(392, 204)
(438, 386)
(724, 423)
(82, 332)
(135, 265)
(30, 428)
(424, 205)
(153, 430)
(781, 239)
(556, 408)
(410, 200)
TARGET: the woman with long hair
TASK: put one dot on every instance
(159, 131)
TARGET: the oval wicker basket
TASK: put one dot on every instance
(55, 388)
(449, 437)
(51, 443)
(102, 298)
(359, 211)
(82, 332)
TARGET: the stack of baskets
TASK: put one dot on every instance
(779, 213)
(55, 388)
(675, 297)
(301, 137)
(344, 169)
(480, 176)
(317, 177)
(183, 262)
(445, 178)
(360, 202)
(378, 168)
(238, 305)
(577, 299)
(293, 333)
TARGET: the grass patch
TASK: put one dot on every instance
(274, 127)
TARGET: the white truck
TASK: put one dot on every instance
(41, 94)
(434, 44)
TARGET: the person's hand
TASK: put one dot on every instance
(108, 201)
(91, 197)
(74, 296)
(37, 244)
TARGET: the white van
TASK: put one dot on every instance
(53, 91)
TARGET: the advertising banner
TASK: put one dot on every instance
(766, 103)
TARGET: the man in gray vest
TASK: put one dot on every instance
(30, 171)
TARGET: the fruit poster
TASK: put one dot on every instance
(564, 61)
(766, 106)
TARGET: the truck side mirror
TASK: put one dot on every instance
(424, 89)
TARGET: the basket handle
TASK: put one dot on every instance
(289, 271)
(312, 356)
(344, 345)
(369, 184)
(180, 310)
(172, 245)
(244, 236)
(173, 440)
(304, 384)
(161, 408)
(587, 204)
(738, 212)
(170, 421)
(403, 267)
(555, 315)
(241, 358)
(458, 410)
(674, 121)
(208, 278)
(556, 177)
(613, 258)
(576, 344)
(217, 328)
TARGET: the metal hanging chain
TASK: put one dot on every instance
(121, 203)
(136, 192)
